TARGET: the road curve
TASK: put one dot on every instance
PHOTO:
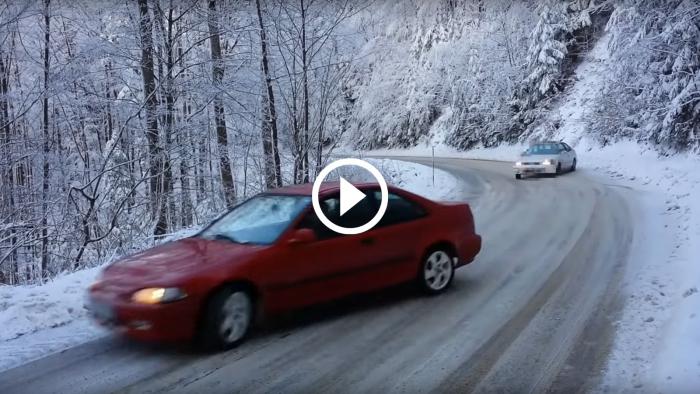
(534, 313)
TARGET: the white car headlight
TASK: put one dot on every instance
(518, 163)
(548, 162)
(158, 295)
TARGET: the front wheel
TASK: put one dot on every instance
(436, 271)
(573, 166)
(518, 176)
(229, 315)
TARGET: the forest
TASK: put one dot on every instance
(123, 123)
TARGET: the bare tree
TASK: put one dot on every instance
(273, 175)
(46, 143)
(219, 113)
(154, 148)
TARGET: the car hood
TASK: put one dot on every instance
(177, 259)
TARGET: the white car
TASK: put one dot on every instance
(545, 158)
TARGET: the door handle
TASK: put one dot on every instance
(367, 241)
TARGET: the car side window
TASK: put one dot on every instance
(358, 215)
(399, 210)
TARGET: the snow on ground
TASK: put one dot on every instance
(657, 347)
(38, 320)
(42, 319)
(418, 178)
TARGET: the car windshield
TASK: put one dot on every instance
(543, 149)
(260, 220)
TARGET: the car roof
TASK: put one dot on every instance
(326, 188)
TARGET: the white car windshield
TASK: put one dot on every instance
(260, 220)
(543, 149)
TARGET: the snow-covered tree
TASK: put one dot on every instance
(546, 55)
(653, 87)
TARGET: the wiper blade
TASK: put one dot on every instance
(226, 238)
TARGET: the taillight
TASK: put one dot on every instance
(470, 218)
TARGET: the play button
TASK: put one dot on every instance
(349, 196)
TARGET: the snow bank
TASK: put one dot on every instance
(38, 320)
(657, 347)
(41, 319)
(418, 178)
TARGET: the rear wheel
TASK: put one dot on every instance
(436, 271)
(229, 315)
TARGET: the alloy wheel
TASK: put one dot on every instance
(437, 271)
(236, 315)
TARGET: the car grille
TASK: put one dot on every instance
(531, 163)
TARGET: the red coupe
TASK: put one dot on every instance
(271, 254)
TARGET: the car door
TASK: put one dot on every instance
(394, 244)
(564, 154)
(572, 154)
(325, 268)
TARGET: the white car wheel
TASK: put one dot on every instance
(236, 317)
(437, 271)
(227, 318)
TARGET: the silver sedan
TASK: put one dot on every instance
(545, 158)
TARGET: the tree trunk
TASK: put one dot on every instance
(219, 115)
(273, 173)
(184, 175)
(305, 82)
(154, 149)
(168, 180)
(46, 145)
(7, 194)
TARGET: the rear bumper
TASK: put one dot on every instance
(172, 322)
(468, 250)
(531, 169)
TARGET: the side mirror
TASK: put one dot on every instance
(302, 236)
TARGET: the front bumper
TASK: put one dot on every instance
(176, 321)
(534, 169)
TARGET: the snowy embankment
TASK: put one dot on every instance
(42, 319)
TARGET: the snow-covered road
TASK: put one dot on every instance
(535, 311)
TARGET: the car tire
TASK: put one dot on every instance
(436, 271)
(228, 318)
(518, 176)
(558, 171)
(573, 166)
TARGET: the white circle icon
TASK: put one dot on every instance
(349, 196)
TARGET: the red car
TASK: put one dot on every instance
(272, 254)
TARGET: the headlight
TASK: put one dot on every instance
(518, 163)
(548, 162)
(158, 295)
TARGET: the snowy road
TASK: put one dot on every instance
(533, 313)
